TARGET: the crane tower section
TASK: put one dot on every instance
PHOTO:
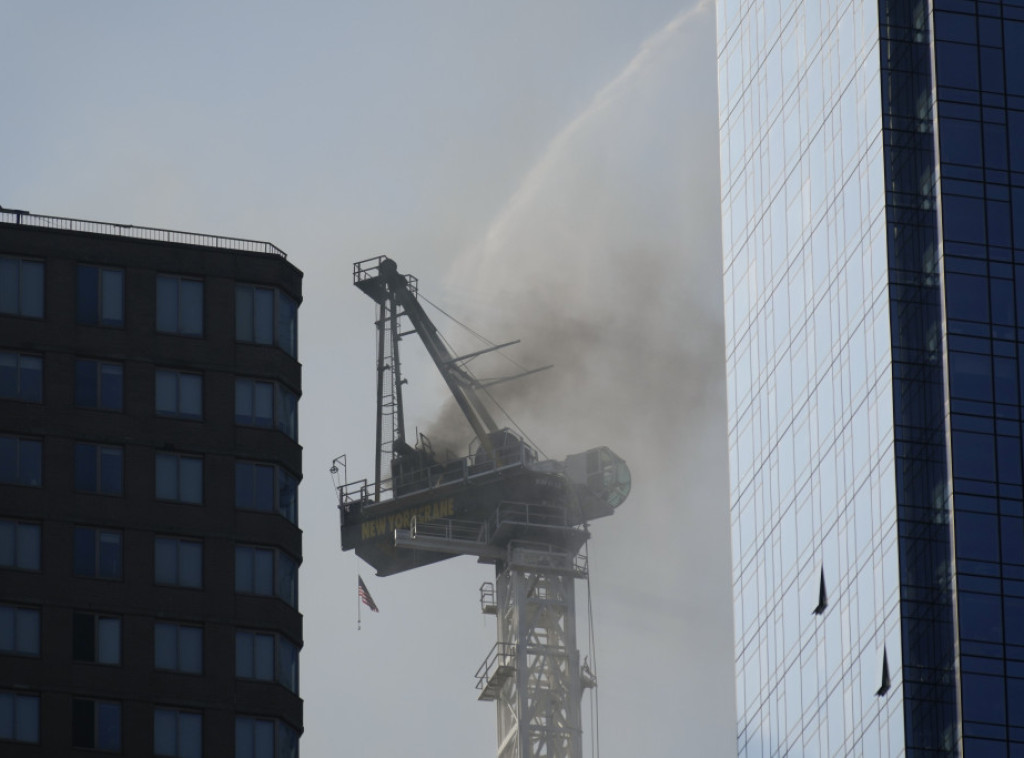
(502, 504)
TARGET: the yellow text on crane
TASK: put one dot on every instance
(384, 525)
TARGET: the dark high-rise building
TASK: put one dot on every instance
(149, 463)
(872, 158)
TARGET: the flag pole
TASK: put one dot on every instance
(359, 604)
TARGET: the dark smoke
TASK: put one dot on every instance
(635, 351)
(607, 264)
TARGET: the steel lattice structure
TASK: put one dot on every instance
(527, 517)
(539, 704)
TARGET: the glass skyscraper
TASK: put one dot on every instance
(872, 157)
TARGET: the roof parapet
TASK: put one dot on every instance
(24, 218)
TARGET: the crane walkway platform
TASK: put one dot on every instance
(523, 523)
(498, 667)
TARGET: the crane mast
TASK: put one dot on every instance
(501, 504)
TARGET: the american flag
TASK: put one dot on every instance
(364, 595)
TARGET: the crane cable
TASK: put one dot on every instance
(595, 730)
(595, 747)
(471, 330)
(482, 389)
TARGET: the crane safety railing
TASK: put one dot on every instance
(449, 529)
(354, 492)
(152, 234)
(532, 514)
(464, 469)
(536, 557)
(501, 657)
(488, 598)
(370, 268)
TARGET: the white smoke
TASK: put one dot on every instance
(606, 262)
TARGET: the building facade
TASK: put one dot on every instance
(872, 157)
(149, 464)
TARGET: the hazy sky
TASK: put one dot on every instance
(549, 172)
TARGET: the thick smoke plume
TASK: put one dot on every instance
(607, 264)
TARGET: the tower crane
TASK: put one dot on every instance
(501, 503)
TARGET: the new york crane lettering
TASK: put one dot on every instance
(386, 525)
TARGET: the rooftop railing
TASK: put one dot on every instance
(10, 216)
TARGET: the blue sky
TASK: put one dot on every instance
(549, 172)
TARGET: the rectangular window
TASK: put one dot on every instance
(265, 571)
(100, 296)
(178, 562)
(266, 404)
(178, 648)
(286, 410)
(267, 657)
(177, 733)
(19, 545)
(19, 717)
(96, 638)
(179, 394)
(99, 384)
(21, 461)
(98, 468)
(21, 287)
(254, 656)
(286, 579)
(96, 724)
(179, 305)
(179, 478)
(21, 377)
(254, 403)
(288, 664)
(266, 316)
(265, 487)
(19, 630)
(97, 553)
(264, 738)
(254, 570)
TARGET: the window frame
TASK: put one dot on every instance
(282, 653)
(284, 406)
(97, 366)
(20, 373)
(181, 493)
(98, 451)
(280, 733)
(101, 283)
(16, 530)
(250, 418)
(178, 750)
(22, 477)
(284, 318)
(89, 714)
(288, 594)
(179, 665)
(18, 616)
(181, 327)
(23, 700)
(252, 660)
(176, 544)
(247, 495)
(20, 286)
(96, 559)
(89, 627)
(180, 394)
